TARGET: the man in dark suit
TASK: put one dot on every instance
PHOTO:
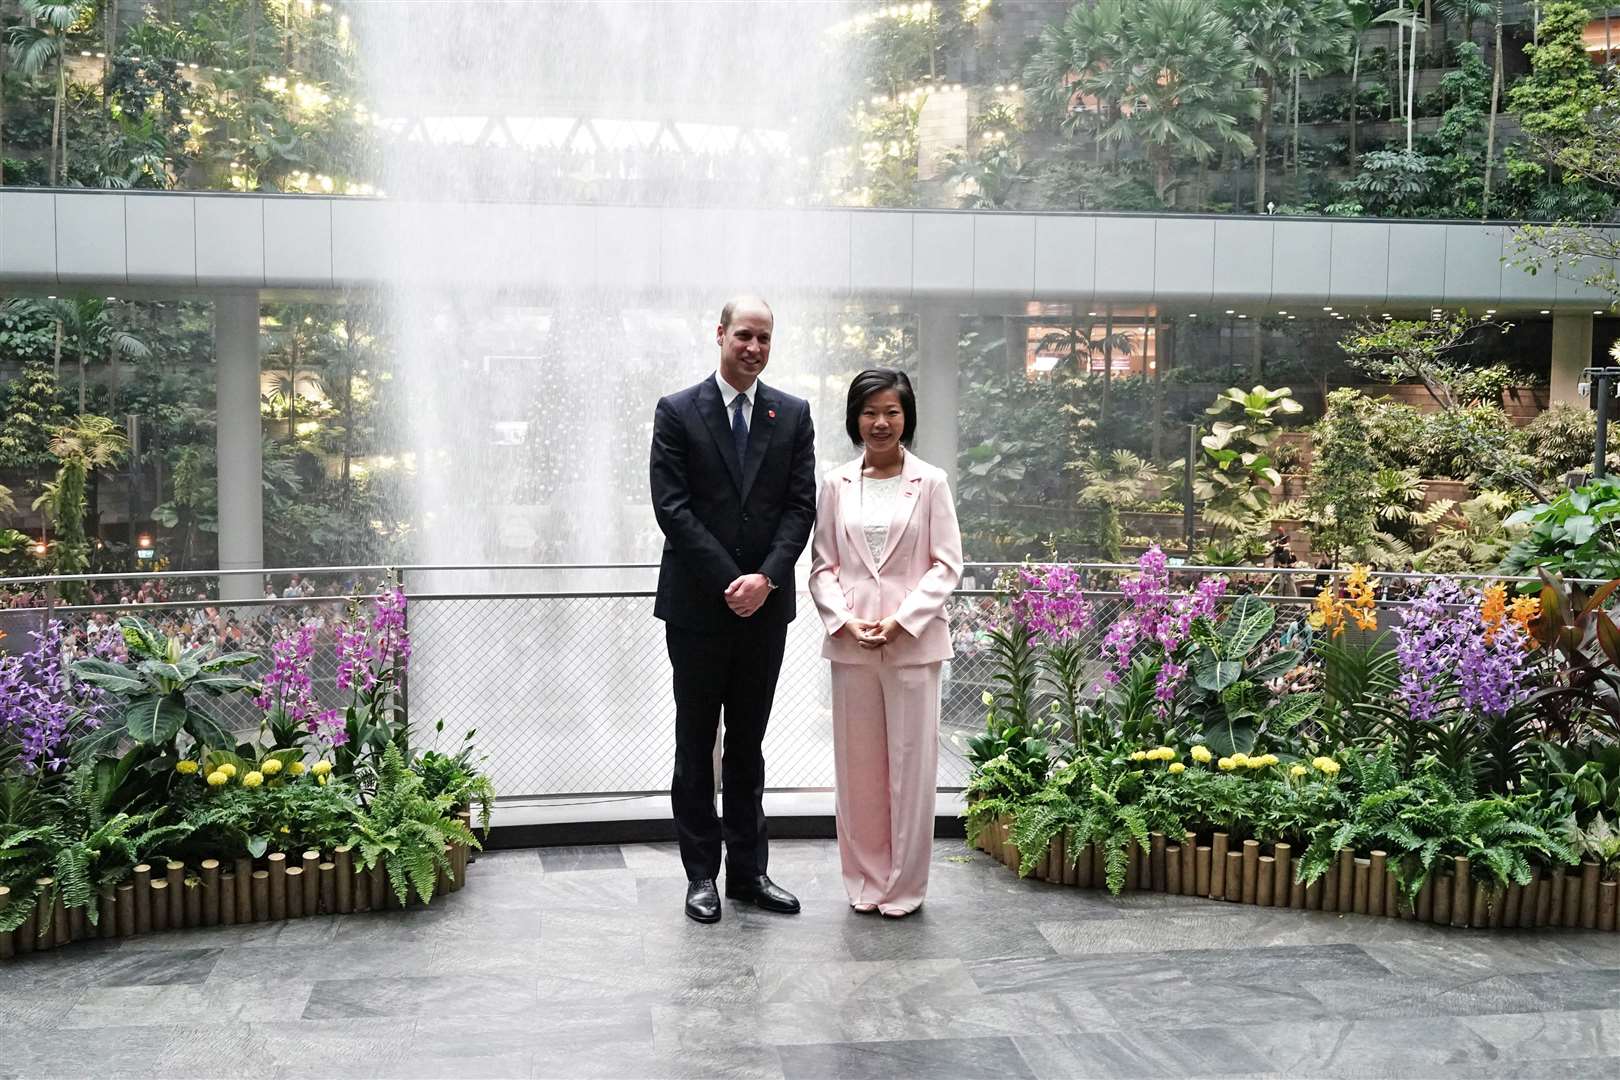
(734, 490)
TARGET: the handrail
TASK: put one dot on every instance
(1295, 571)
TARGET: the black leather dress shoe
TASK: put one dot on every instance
(762, 892)
(703, 901)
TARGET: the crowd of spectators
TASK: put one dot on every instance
(190, 610)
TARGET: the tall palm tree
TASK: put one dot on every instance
(1361, 19)
(1496, 100)
(1110, 483)
(1166, 77)
(1285, 39)
(87, 327)
(35, 47)
(1408, 22)
(83, 445)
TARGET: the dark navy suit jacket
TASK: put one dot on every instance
(723, 518)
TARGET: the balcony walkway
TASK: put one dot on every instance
(579, 963)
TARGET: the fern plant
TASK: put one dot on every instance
(407, 830)
(83, 849)
(1091, 800)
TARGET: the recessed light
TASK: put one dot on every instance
(1546, 311)
(1192, 315)
(1328, 308)
(1231, 311)
(1599, 312)
(1291, 318)
(1282, 312)
(1243, 316)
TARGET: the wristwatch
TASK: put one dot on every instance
(769, 582)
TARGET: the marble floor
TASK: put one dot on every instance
(579, 963)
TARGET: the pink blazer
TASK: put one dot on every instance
(916, 573)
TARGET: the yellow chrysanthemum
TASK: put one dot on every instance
(296, 768)
(1202, 755)
(253, 779)
(186, 768)
(217, 778)
(271, 766)
(1326, 765)
(1256, 763)
(1226, 764)
(1297, 771)
(229, 770)
(1271, 759)
(322, 779)
(1240, 759)
(321, 768)
(1166, 753)
(1138, 755)
(1177, 767)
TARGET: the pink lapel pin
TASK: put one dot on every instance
(771, 413)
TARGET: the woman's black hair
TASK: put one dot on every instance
(870, 382)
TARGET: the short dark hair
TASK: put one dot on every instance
(730, 309)
(870, 382)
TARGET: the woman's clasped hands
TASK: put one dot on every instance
(873, 633)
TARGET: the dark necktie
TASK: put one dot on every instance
(739, 428)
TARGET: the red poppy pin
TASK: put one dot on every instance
(771, 413)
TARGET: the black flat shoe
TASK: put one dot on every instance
(763, 893)
(703, 901)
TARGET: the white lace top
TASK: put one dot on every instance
(877, 507)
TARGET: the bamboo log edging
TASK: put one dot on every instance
(215, 895)
(1248, 873)
(1281, 882)
(1217, 867)
(210, 892)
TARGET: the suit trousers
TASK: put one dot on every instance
(733, 672)
(886, 760)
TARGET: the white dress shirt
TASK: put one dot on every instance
(728, 394)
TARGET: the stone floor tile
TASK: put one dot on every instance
(241, 1000)
(863, 980)
(1413, 1047)
(428, 995)
(1598, 988)
(1592, 1033)
(555, 860)
(933, 1059)
(1144, 1053)
(1399, 996)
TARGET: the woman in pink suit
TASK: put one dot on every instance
(886, 556)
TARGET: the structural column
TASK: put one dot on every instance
(1571, 354)
(238, 443)
(939, 333)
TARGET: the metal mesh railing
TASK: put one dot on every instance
(570, 690)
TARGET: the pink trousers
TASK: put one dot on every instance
(886, 757)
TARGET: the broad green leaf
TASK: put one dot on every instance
(1275, 666)
(229, 660)
(108, 675)
(141, 638)
(1226, 736)
(222, 684)
(1216, 675)
(155, 719)
(1246, 624)
(207, 730)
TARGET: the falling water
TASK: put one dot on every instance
(530, 409)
